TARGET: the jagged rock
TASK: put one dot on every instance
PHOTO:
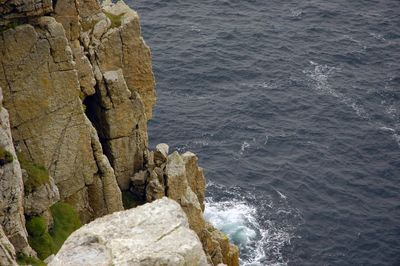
(16, 9)
(106, 186)
(11, 190)
(125, 91)
(123, 47)
(39, 200)
(84, 68)
(7, 251)
(48, 121)
(153, 234)
(155, 188)
(118, 115)
(195, 176)
(163, 149)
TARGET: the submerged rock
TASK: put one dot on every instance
(153, 234)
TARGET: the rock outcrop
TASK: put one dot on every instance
(180, 178)
(12, 218)
(79, 89)
(7, 251)
(153, 234)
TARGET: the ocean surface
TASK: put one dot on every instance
(293, 108)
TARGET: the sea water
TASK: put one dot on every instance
(293, 108)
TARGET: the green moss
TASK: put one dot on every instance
(5, 156)
(115, 19)
(39, 238)
(36, 226)
(23, 259)
(37, 174)
(66, 221)
(43, 245)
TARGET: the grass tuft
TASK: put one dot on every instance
(66, 221)
(45, 243)
(37, 174)
(23, 259)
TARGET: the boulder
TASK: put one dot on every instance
(153, 234)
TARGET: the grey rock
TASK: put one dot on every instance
(163, 149)
(12, 218)
(7, 251)
(153, 234)
(41, 198)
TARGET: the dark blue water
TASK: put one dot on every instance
(293, 108)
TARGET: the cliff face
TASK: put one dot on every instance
(79, 89)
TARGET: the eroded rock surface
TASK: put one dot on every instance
(12, 218)
(153, 234)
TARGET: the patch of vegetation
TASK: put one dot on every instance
(66, 221)
(39, 238)
(5, 157)
(37, 174)
(45, 243)
(36, 226)
(23, 259)
(115, 19)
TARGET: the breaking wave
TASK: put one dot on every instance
(247, 219)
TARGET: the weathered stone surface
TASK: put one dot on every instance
(153, 234)
(124, 48)
(195, 176)
(11, 190)
(7, 251)
(41, 198)
(118, 115)
(15, 9)
(49, 125)
(155, 186)
(163, 149)
(108, 188)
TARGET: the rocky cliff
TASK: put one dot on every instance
(78, 90)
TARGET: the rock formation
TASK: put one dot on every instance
(79, 89)
(153, 234)
(12, 218)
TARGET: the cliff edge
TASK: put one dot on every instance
(78, 90)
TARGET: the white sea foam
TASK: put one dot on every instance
(394, 134)
(246, 219)
(238, 220)
(295, 13)
(377, 36)
(319, 76)
(281, 194)
(244, 147)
